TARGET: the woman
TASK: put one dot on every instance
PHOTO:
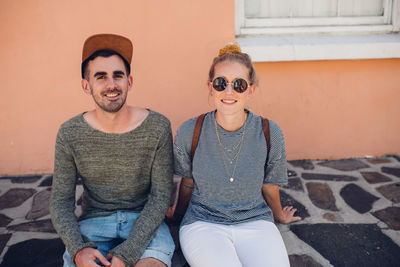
(226, 196)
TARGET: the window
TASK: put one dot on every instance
(293, 17)
(289, 30)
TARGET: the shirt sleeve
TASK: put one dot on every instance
(62, 202)
(156, 207)
(183, 149)
(276, 172)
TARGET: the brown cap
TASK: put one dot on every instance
(117, 43)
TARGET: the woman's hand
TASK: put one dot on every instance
(172, 217)
(282, 215)
(287, 215)
(170, 212)
(175, 213)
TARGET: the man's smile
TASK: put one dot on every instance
(112, 95)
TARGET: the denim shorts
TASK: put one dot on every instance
(109, 231)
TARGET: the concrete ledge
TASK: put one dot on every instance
(329, 47)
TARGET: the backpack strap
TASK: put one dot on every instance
(265, 126)
(196, 133)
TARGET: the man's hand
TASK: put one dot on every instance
(287, 215)
(86, 257)
(115, 261)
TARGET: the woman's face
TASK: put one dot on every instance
(228, 101)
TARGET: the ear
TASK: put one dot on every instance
(86, 86)
(252, 89)
(210, 89)
(130, 82)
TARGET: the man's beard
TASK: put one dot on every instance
(111, 107)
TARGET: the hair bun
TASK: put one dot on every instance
(230, 48)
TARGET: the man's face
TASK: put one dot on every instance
(107, 82)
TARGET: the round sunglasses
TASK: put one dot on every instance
(239, 85)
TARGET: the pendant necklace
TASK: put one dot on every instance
(224, 155)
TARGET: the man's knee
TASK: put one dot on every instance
(150, 262)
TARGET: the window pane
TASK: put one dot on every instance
(252, 8)
(325, 8)
(267, 8)
(361, 7)
(312, 8)
(303, 8)
(280, 9)
(315, 8)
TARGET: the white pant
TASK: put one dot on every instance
(249, 244)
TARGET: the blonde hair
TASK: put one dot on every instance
(232, 52)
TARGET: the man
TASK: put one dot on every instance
(123, 155)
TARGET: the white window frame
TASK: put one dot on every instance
(282, 39)
(317, 25)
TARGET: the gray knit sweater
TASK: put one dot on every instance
(130, 171)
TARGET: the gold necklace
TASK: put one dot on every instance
(233, 148)
(236, 157)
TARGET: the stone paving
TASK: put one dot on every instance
(350, 210)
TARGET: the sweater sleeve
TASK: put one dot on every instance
(62, 203)
(154, 210)
(183, 149)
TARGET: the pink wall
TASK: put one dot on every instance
(327, 109)
(334, 109)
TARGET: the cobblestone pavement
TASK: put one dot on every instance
(350, 210)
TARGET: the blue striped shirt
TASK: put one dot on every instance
(215, 198)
